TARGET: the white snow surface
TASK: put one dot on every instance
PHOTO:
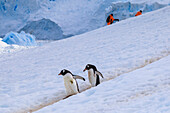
(9, 49)
(2, 43)
(29, 78)
(145, 90)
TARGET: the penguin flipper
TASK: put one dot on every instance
(98, 73)
(78, 77)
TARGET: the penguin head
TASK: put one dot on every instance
(64, 72)
(90, 66)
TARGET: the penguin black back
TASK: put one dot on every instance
(77, 86)
(97, 80)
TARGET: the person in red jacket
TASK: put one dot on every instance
(110, 19)
(139, 13)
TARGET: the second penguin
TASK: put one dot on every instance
(93, 74)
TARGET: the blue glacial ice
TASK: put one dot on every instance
(22, 39)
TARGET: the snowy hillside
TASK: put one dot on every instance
(29, 79)
(145, 90)
(73, 16)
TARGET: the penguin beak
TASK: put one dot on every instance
(59, 74)
(84, 70)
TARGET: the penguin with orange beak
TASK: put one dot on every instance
(70, 82)
(93, 75)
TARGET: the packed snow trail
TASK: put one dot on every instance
(29, 78)
(143, 90)
(86, 87)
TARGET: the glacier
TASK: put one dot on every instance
(22, 39)
(72, 16)
(15, 13)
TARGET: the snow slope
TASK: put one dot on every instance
(29, 78)
(145, 90)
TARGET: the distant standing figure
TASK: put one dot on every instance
(139, 13)
(110, 19)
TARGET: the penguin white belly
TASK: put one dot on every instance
(92, 77)
(70, 85)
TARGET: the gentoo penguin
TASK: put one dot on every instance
(70, 82)
(93, 74)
